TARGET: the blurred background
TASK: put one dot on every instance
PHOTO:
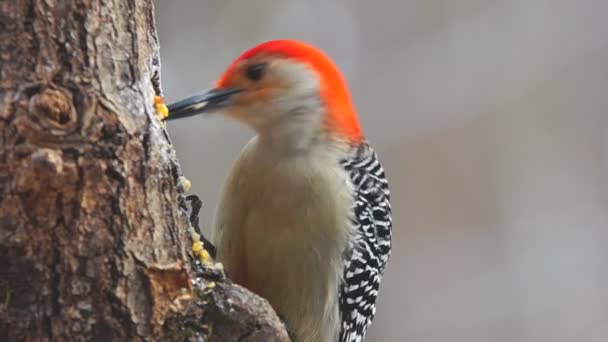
(491, 118)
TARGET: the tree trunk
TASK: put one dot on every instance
(94, 241)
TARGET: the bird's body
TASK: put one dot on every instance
(304, 215)
(292, 230)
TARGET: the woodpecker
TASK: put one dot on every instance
(304, 217)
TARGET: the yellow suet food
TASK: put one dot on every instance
(161, 108)
(186, 184)
(197, 247)
(204, 256)
(195, 236)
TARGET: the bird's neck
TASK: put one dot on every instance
(285, 142)
(301, 130)
(296, 132)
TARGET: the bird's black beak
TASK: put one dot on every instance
(201, 103)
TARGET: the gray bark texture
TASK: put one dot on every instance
(94, 241)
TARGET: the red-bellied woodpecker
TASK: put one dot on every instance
(304, 218)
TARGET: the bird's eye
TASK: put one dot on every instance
(255, 72)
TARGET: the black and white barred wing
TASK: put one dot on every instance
(368, 254)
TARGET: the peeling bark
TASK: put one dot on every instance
(94, 241)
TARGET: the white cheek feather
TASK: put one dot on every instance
(299, 77)
(293, 118)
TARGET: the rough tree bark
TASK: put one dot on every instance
(94, 241)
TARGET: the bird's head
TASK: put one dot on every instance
(281, 88)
